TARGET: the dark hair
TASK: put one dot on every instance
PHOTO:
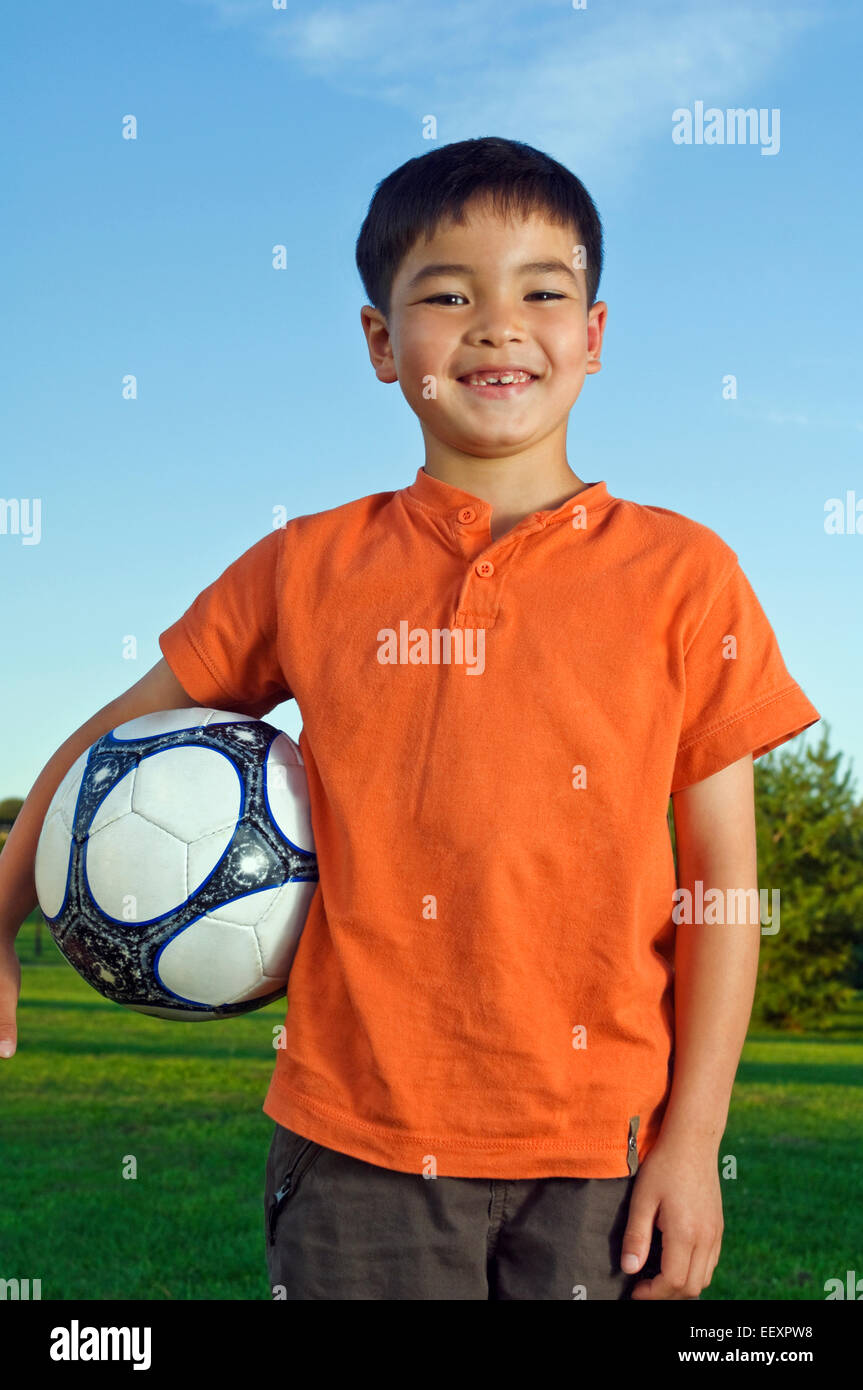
(425, 191)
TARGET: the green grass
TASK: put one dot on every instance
(92, 1083)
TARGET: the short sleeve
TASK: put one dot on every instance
(224, 650)
(739, 697)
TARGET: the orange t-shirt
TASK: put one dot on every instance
(491, 732)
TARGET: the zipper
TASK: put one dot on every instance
(303, 1160)
(632, 1146)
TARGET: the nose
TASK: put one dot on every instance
(496, 333)
(497, 322)
(495, 339)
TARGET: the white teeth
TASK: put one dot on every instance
(505, 379)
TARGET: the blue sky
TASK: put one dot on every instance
(259, 126)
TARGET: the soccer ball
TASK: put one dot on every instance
(176, 863)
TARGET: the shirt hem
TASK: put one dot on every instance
(192, 669)
(455, 1156)
(758, 729)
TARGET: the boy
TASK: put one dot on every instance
(506, 1070)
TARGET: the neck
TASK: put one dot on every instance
(516, 487)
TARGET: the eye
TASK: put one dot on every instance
(452, 294)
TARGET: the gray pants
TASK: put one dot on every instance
(338, 1228)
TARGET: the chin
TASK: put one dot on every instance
(474, 444)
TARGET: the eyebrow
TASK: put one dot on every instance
(439, 268)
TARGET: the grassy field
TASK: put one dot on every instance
(92, 1083)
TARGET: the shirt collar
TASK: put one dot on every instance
(444, 499)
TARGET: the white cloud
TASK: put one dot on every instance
(785, 415)
(598, 83)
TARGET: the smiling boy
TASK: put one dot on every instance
(505, 1072)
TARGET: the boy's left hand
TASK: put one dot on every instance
(677, 1189)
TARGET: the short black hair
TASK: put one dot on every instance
(415, 198)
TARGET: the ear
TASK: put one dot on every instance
(596, 320)
(379, 343)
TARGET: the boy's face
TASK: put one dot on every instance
(507, 305)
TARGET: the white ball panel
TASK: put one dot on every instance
(188, 791)
(66, 796)
(132, 859)
(248, 910)
(264, 986)
(287, 792)
(280, 930)
(211, 962)
(53, 853)
(168, 720)
(54, 847)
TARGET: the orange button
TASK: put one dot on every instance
(467, 514)
(485, 569)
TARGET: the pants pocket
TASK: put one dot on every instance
(288, 1173)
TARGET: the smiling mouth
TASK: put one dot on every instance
(497, 386)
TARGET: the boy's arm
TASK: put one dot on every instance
(714, 985)
(715, 966)
(159, 689)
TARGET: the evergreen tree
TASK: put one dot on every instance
(810, 847)
(809, 832)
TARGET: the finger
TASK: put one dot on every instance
(713, 1260)
(635, 1246)
(677, 1252)
(9, 987)
(697, 1277)
(656, 1288)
